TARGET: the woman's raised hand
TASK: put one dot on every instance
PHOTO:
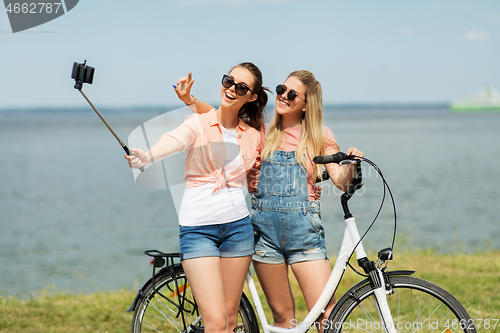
(355, 152)
(183, 89)
(137, 158)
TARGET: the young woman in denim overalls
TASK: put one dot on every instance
(284, 209)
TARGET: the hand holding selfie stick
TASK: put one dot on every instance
(85, 74)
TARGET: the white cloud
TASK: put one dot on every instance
(476, 36)
(407, 31)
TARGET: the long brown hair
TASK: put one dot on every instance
(252, 113)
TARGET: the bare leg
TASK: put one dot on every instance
(234, 271)
(312, 277)
(274, 281)
(205, 277)
(217, 285)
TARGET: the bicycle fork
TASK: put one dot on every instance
(374, 272)
(381, 299)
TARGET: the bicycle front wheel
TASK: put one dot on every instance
(416, 306)
(169, 306)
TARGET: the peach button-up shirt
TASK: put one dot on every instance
(201, 136)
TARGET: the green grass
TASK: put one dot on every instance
(474, 279)
(53, 311)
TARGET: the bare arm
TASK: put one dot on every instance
(183, 91)
(164, 147)
(201, 107)
(342, 176)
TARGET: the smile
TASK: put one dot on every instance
(228, 96)
(282, 102)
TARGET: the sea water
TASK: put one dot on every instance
(72, 217)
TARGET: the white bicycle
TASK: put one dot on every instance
(385, 301)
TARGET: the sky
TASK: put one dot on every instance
(363, 51)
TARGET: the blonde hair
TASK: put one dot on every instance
(313, 136)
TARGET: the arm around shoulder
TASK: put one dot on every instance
(253, 173)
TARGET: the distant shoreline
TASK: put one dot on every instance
(162, 108)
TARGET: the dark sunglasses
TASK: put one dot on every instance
(292, 94)
(239, 88)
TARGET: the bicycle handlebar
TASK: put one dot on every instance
(357, 182)
(335, 158)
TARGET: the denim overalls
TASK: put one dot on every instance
(289, 224)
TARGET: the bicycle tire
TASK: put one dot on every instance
(155, 313)
(417, 306)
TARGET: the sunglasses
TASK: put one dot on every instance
(292, 94)
(239, 88)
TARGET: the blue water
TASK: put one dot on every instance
(71, 215)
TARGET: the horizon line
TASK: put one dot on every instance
(177, 106)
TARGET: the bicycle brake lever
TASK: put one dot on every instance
(349, 162)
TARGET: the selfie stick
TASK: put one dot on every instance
(85, 74)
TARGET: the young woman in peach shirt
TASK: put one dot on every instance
(216, 234)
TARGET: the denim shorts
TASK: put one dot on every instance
(289, 236)
(233, 239)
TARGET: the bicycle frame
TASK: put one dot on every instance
(375, 289)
